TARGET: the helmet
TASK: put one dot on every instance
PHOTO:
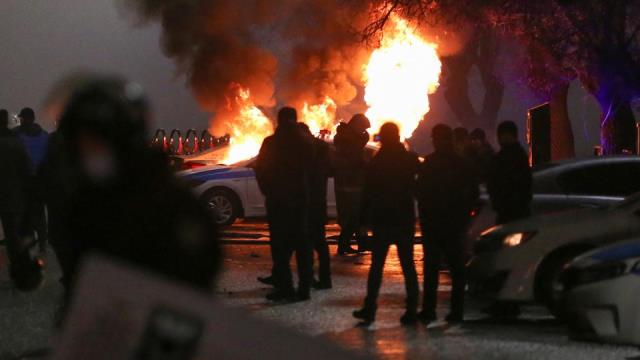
(110, 108)
(360, 122)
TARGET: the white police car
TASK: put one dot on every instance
(603, 291)
(232, 192)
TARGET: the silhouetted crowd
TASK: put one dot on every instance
(94, 185)
(378, 191)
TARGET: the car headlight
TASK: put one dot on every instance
(494, 239)
(517, 239)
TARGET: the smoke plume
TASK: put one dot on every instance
(306, 49)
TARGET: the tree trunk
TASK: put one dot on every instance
(562, 143)
(618, 128)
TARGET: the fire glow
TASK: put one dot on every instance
(248, 127)
(398, 78)
(321, 116)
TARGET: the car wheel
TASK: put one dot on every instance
(223, 205)
(549, 283)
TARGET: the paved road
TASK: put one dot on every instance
(26, 320)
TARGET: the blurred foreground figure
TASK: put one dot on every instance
(389, 197)
(135, 315)
(127, 204)
(349, 170)
(35, 141)
(284, 171)
(510, 178)
(446, 194)
(318, 216)
(15, 174)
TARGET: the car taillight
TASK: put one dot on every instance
(190, 165)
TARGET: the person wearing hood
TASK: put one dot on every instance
(389, 196)
(348, 165)
(35, 141)
(127, 204)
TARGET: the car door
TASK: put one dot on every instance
(600, 185)
(255, 200)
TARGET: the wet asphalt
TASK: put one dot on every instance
(27, 320)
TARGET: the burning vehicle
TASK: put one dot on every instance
(390, 82)
(231, 191)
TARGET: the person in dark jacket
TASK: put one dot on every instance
(510, 179)
(4, 124)
(446, 192)
(35, 141)
(32, 136)
(59, 182)
(283, 171)
(128, 205)
(14, 167)
(389, 197)
(318, 209)
(484, 154)
(348, 166)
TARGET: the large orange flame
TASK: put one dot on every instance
(399, 76)
(320, 116)
(248, 126)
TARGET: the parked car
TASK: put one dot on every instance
(232, 192)
(522, 261)
(572, 184)
(603, 294)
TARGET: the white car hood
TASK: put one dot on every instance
(575, 218)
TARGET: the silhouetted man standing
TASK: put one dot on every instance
(35, 141)
(284, 172)
(318, 208)
(388, 195)
(349, 169)
(446, 193)
(510, 179)
(14, 176)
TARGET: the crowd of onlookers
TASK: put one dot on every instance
(379, 193)
(93, 185)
